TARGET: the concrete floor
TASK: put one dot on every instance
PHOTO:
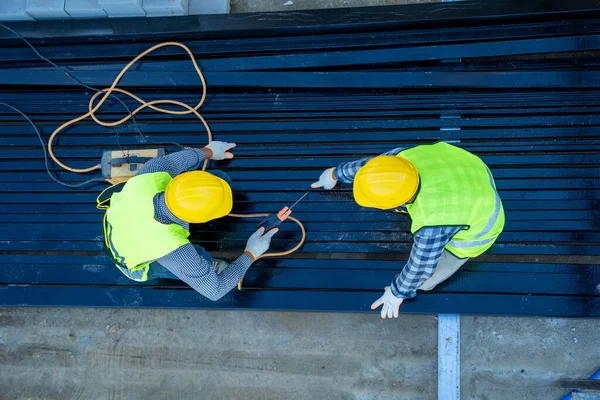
(129, 354)
(183, 354)
(160, 354)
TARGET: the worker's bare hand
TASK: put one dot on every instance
(390, 304)
(326, 180)
(220, 150)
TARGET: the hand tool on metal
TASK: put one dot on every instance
(274, 220)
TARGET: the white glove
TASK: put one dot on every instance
(258, 244)
(220, 150)
(326, 180)
(391, 304)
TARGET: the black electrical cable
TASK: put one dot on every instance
(39, 135)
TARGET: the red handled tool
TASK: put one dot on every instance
(274, 220)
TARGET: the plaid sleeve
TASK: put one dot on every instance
(345, 172)
(188, 159)
(198, 272)
(429, 243)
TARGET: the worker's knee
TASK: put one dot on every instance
(427, 286)
(447, 266)
(432, 282)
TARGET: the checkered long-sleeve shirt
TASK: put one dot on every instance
(185, 262)
(428, 246)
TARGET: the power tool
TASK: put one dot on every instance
(118, 166)
(274, 220)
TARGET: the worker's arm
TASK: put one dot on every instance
(195, 270)
(198, 272)
(428, 246)
(188, 159)
(345, 172)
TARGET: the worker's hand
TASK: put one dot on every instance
(259, 242)
(326, 180)
(390, 304)
(220, 150)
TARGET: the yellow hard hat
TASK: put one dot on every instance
(386, 182)
(198, 196)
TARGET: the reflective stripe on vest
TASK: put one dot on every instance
(488, 227)
(457, 189)
(133, 235)
(139, 274)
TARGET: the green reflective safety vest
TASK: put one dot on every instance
(133, 236)
(456, 188)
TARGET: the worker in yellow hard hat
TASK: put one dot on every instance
(451, 198)
(147, 223)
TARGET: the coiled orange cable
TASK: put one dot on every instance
(143, 104)
(105, 93)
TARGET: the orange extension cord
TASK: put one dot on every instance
(154, 105)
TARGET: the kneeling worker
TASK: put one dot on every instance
(147, 224)
(451, 198)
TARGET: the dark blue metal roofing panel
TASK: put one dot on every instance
(511, 83)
